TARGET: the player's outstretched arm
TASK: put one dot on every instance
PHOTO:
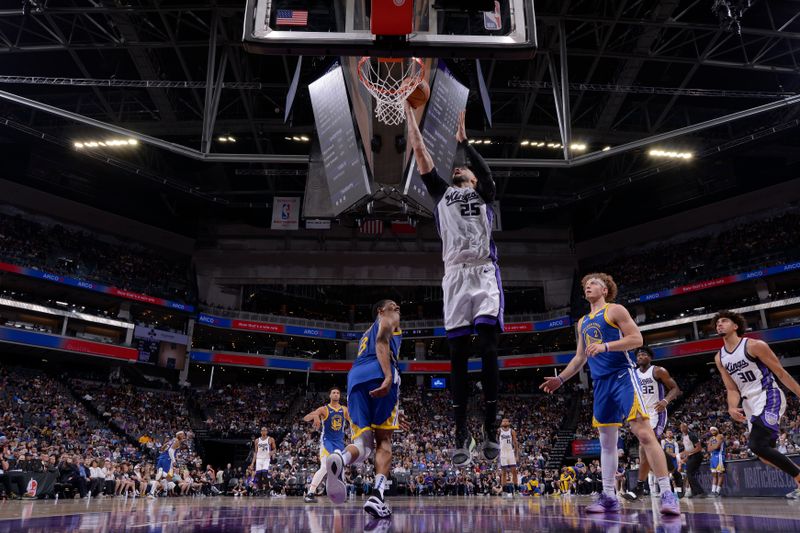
(486, 186)
(433, 182)
(552, 383)
(673, 391)
(736, 412)
(423, 157)
(762, 351)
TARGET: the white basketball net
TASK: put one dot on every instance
(390, 82)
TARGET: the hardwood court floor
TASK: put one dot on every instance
(445, 515)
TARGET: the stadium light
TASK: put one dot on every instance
(606, 148)
(670, 154)
(105, 143)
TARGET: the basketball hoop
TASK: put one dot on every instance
(390, 81)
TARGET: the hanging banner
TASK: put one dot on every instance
(286, 213)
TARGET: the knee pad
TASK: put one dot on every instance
(364, 445)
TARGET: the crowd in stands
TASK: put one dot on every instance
(80, 254)
(236, 411)
(743, 246)
(147, 416)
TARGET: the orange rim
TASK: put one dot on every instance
(419, 76)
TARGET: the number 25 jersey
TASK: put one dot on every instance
(464, 222)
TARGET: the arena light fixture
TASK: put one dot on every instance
(578, 146)
(606, 148)
(670, 154)
(105, 143)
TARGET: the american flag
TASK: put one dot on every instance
(292, 17)
(371, 227)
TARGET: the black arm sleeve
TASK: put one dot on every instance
(435, 184)
(486, 187)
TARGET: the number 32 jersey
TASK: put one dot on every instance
(464, 222)
(757, 386)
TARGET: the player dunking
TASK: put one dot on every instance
(166, 461)
(749, 369)
(604, 337)
(264, 451)
(373, 397)
(330, 419)
(473, 295)
(658, 391)
(509, 451)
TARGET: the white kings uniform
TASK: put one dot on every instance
(652, 393)
(762, 400)
(472, 287)
(507, 457)
(262, 454)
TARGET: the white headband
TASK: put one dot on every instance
(598, 280)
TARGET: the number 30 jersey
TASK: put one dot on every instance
(755, 381)
(464, 222)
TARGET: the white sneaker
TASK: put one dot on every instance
(377, 508)
(334, 483)
(794, 495)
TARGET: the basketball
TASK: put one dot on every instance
(420, 95)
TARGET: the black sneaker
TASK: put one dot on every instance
(310, 498)
(462, 456)
(490, 448)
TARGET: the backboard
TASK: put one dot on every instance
(345, 28)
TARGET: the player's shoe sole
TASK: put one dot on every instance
(491, 450)
(376, 508)
(334, 484)
(310, 498)
(463, 456)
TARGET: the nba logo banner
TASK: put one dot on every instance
(492, 21)
(286, 213)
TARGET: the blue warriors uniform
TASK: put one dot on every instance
(164, 462)
(366, 375)
(617, 394)
(332, 437)
(670, 446)
(717, 459)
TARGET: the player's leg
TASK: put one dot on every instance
(658, 461)
(376, 505)
(607, 419)
(319, 475)
(514, 479)
(488, 338)
(460, 349)
(762, 441)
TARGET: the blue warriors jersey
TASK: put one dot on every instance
(715, 440)
(599, 329)
(332, 437)
(366, 366)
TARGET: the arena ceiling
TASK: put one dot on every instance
(635, 69)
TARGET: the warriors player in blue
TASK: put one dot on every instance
(330, 420)
(373, 398)
(167, 460)
(716, 460)
(604, 338)
(750, 371)
(473, 294)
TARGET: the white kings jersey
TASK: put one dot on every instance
(464, 221)
(652, 389)
(263, 450)
(506, 441)
(755, 381)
